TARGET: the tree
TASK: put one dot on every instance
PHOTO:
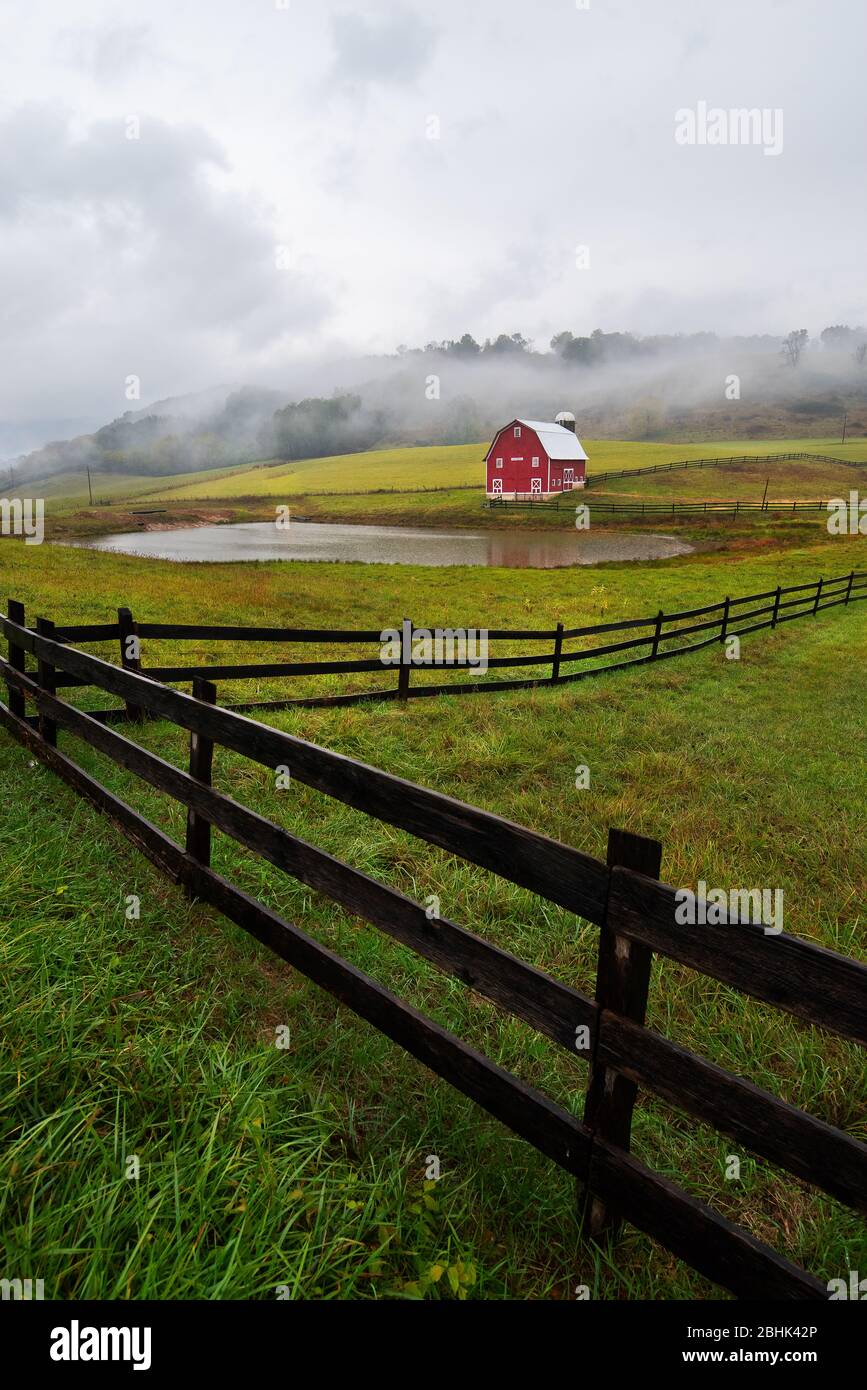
(464, 347)
(794, 344)
(319, 426)
(837, 337)
(582, 350)
(507, 343)
(561, 341)
(861, 354)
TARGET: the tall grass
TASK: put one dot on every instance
(302, 1169)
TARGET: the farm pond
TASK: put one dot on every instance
(391, 545)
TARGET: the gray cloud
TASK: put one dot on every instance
(392, 49)
(110, 52)
(309, 127)
(124, 256)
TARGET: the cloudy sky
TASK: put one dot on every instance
(209, 191)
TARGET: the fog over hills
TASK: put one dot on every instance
(268, 198)
(619, 385)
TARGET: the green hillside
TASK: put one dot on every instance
(407, 469)
(454, 466)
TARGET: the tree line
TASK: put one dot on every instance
(600, 347)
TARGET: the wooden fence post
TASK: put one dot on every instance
(725, 619)
(845, 601)
(776, 611)
(201, 766)
(47, 677)
(130, 658)
(818, 595)
(15, 614)
(622, 979)
(656, 635)
(403, 674)
(558, 647)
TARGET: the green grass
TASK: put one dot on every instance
(406, 469)
(452, 466)
(305, 1168)
(447, 466)
(70, 489)
(786, 480)
(444, 487)
(605, 454)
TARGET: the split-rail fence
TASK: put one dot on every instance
(646, 640)
(635, 911)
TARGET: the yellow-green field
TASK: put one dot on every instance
(786, 480)
(416, 470)
(70, 489)
(406, 469)
(445, 487)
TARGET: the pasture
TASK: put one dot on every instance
(451, 466)
(443, 487)
(305, 1167)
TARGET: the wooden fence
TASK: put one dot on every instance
(664, 635)
(723, 507)
(623, 896)
(716, 463)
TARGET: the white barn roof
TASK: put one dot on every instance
(559, 443)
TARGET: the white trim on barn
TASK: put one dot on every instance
(558, 443)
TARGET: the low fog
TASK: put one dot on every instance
(460, 391)
(269, 198)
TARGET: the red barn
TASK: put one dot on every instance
(535, 458)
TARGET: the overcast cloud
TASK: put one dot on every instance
(284, 200)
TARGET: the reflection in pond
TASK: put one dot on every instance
(393, 545)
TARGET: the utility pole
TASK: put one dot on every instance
(89, 488)
(845, 421)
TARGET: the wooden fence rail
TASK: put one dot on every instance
(650, 639)
(635, 912)
(716, 463)
(687, 507)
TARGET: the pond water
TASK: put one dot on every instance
(392, 545)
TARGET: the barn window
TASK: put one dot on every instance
(517, 431)
(535, 463)
(499, 463)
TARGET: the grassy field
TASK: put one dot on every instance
(454, 466)
(404, 469)
(746, 481)
(443, 487)
(70, 489)
(450, 466)
(304, 1168)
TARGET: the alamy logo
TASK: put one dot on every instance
(715, 907)
(22, 1290)
(23, 516)
(440, 646)
(855, 1289)
(738, 126)
(847, 518)
(77, 1343)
